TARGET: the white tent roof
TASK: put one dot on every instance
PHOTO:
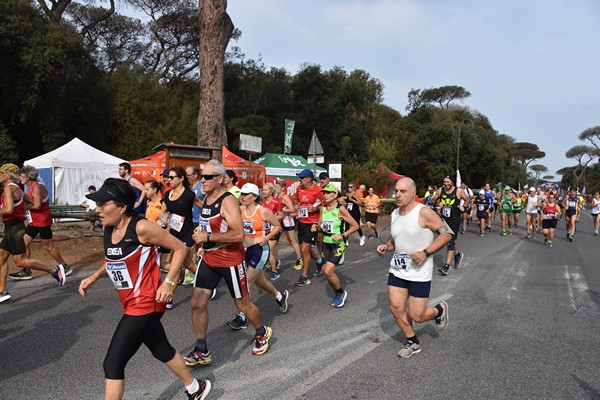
(75, 154)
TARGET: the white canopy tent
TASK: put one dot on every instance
(69, 170)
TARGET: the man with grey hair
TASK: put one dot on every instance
(413, 241)
(220, 231)
(39, 222)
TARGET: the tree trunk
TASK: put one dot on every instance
(216, 28)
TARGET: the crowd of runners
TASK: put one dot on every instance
(198, 227)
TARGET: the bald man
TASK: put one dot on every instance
(413, 241)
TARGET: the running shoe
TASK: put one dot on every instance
(59, 275)
(570, 238)
(596, 232)
(457, 259)
(509, 231)
(441, 322)
(238, 323)
(377, 234)
(549, 243)
(273, 276)
(196, 357)
(409, 349)
(545, 240)
(503, 233)
(528, 236)
(303, 281)
(319, 268)
(299, 264)
(4, 296)
(23, 275)
(261, 343)
(278, 265)
(462, 232)
(444, 269)
(489, 228)
(362, 240)
(283, 303)
(204, 390)
(68, 269)
(332, 301)
(481, 234)
(188, 280)
(370, 237)
(340, 299)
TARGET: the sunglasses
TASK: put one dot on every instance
(172, 177)
(101, 204)
(207, 177)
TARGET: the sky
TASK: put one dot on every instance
(532, 66)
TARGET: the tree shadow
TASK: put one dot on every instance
(48, 335)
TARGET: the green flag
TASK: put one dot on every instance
(288, 134)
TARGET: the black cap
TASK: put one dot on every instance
(323, 175)
(106, 194)
(118, 190)
(165, 172)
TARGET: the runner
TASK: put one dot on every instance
(531, 211)
(178, 203)
(491, 196)
(450, 196)
(550, 212)
(482, 207)
(333, 216)
(517, 208)
(130, 260)
(221, 233)
(39, 222)
(13, 204)
(466, 215)
(323, 181)
(353, 207)
(192, 173)
(260, 226)
(506, 201)
(230, 184)
(276, 207)
(596, 212)
(307, 203)
(372, 203)
(570, 204)
(140, 194)
(289, 222)
(413, 242)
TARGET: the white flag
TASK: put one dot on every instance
(458, 180)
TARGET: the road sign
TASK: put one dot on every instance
(251, 144)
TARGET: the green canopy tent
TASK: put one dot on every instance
(286, 165)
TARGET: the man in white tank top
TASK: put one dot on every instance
(413, 242)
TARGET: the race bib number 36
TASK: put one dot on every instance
(117, 271)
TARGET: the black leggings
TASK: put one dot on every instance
(356, 216)
(131, 332)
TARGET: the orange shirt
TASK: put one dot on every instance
(372, 204)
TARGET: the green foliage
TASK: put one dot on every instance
(56, 84)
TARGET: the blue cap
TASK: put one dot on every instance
(306, 173)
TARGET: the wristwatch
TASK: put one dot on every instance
(208, 237)
(427, 254)
(170, 282)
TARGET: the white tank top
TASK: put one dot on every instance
(410, 237)
(532, 204)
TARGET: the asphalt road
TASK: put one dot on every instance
(524, 324)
